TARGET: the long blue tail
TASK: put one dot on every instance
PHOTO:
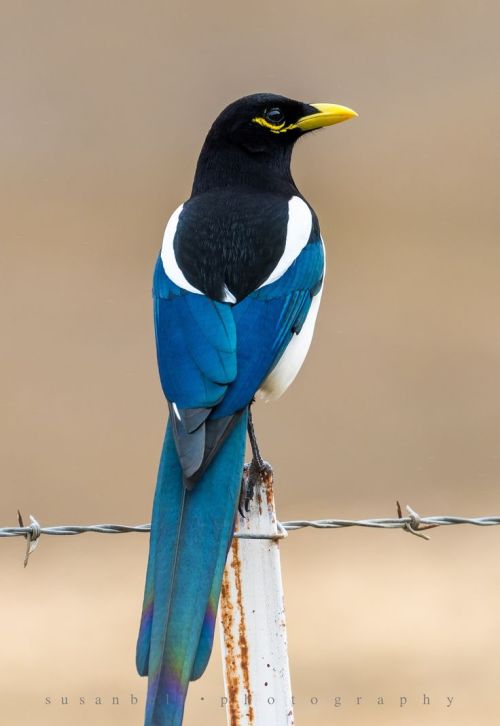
(190, 535)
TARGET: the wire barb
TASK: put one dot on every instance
(414, 523)
(32, 535)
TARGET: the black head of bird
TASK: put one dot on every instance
(250, 143)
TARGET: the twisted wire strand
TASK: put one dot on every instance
(35, 530)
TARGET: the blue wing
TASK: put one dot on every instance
(214, 356)
(195, 344)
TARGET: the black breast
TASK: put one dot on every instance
(230, 238)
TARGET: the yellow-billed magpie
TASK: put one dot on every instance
(236, 292)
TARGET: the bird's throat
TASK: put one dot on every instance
(227, 165)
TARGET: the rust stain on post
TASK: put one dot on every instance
(267, 481)
(231, 665)
(236, 662)
(259, 501)
(242, 635)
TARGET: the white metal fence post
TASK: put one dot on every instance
(252, 620)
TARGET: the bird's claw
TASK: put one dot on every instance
(255, 474)
(243, 491)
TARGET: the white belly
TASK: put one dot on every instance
(291, 361)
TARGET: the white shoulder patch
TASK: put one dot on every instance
(298, 232)
(172, 269)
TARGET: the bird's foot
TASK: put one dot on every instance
(256, 474)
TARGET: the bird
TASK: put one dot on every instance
(236, 291)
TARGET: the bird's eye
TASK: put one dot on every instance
(274, 115)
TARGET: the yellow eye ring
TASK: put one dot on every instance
(275, 128)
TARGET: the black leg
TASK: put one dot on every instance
(257, 458)
(256, 473)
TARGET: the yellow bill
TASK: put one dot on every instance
(328, 114)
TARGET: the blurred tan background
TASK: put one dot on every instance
(104, 107)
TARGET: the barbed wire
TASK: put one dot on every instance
(413, 523)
